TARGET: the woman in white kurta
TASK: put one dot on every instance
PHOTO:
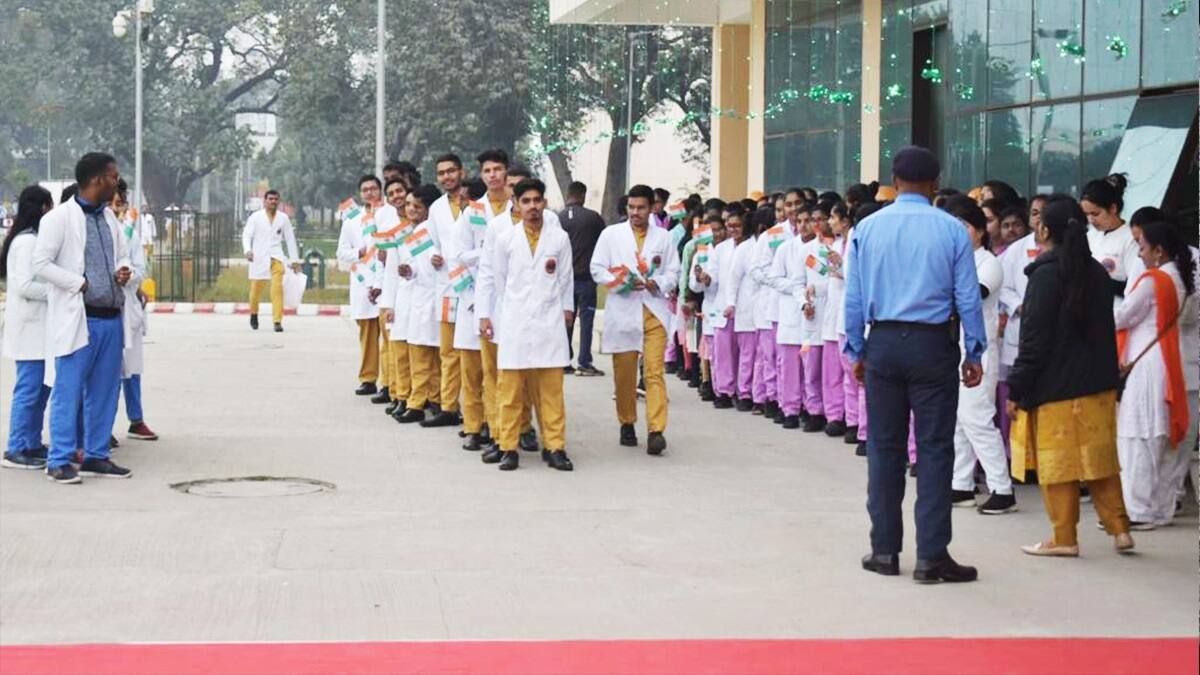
(1109, 237)
(1149, 427)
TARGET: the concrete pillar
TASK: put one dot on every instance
(755, 153)
(872, 48)
(730, 74)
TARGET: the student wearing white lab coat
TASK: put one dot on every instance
(976, 436)
(1153, 414)
(719, 274)
(25, 333)
(83, 258)
(263, 238)
(147, 231)
(740, 304)
(135, 316)
(640, 266)
(443, 216)
(833, 393)
(816, 257)
(393, 300)
(469, 233)
(356, 253)
(700, 281)
(766, 316)
(532, 270)
(787, 278)
(1110, 237)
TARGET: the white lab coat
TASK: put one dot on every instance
(741, 288)
(835, 298)
(58, 259)
(394, 289)
(469, 237)
(538, 287)
(489, 297)
(351, 240)
(442, 227)
(134, 313)
(766, 300)
(147, 231)
(265, 240)
(624, 324)
(787, 277)
(424, 300)
(713, 307)
(25, 310)
(811, 252)
(1014, 260)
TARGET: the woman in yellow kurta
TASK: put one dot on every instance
(1063, 386)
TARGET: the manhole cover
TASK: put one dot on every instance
(253, 486)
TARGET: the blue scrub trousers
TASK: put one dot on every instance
(91, 377)
(133, 398)
(28, 407)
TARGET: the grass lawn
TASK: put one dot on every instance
(234, 286)
(326, 245)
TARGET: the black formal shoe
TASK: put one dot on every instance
(568, 369)
(410, 416)
(835, 428)
(113, 443)
(722, 402)
(683, 374)
(962, 498)
(693, 383)
(278, 328)
(528, 441)
(887, 565)
(442, 419)
(628, 436)
(383, 397)
(473, 442)
(851, 436)
(401, 408)
(771, 410)
(366, 389)
(706, 392)
(912, 470)
(655, 443)
(432, 409)
(791, 422)
(861, 450)
(510, 461)
(392, 407)
(559, 461)
(804, 416)
(254, 321)
(671, 368)
(815, 423)
(936, 571)
(492, 455)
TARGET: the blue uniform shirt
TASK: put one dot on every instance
(912, 262)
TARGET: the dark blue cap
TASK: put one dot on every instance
(916, 165)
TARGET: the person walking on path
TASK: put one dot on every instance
(912, 280)
(584, 227)
(263, 238)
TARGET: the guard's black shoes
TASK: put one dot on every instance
(835, 428)
(383, 397)
(410, 416)
(473, 442)
(791, 422)
(278, 328)
(528, 441)
(366, 389)
(861, 450)
(510, 461)
(851, 437)
(815, 423)
(887, 565)
(443, 419)
(722, 402)
(936, 571)
(558, 460)
(628, 436)
(655, 443)
(254, 321)
(492, 455)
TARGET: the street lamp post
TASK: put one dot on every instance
(120, 26)
(379, 85)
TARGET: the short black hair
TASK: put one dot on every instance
(527, 184)
(427, 194)
(475, 188)
(714, 203)
(520, 170)
(735, 210)
(494, 155)
(122, 188)
(1015, 211)
(749, 204)
(641, 191)
(392, 182)
(91, 165)
(448, 157)
(369, 177)
(68, 192)
(965, 209)
(270, 192)
(393, 166)
(577, 189)
(408, 171)
(662, 194)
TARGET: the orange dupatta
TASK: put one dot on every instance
(1167, 306)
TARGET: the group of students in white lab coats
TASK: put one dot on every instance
(463, 296)
(74, 324)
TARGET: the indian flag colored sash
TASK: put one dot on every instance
(419, 241)
(461, 279)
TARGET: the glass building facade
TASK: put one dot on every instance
(1043, 94)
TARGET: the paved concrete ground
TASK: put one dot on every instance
(740, 530)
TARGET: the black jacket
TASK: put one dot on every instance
(583, 227)
(1060, 358)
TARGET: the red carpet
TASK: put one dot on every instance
(1090, 656)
